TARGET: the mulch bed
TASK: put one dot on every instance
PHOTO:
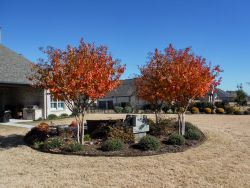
(130, 150)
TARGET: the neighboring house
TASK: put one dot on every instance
(16, 93)
(121, 96)
(125, 94)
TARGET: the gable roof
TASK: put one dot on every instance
(13, 67)
(126, 89)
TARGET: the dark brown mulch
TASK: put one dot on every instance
(132, 150)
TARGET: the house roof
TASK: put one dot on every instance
(126, 89)
(13, 67)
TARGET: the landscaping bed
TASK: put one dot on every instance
(114, 139)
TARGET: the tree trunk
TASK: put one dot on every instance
(179, 123)
(156, 117)
(183, 124)
(82, 122)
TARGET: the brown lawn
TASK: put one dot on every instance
(222, 161)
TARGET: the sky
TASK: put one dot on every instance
(218, 30)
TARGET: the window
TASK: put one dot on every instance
(56, 104)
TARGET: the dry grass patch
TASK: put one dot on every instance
(222, 161)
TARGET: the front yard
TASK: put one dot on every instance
(222, 161)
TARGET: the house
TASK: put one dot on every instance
(17, 96)
(121, 96)
(125, 94)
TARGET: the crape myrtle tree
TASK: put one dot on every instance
(150, 85)
(79, 76)
(181, 78)
(191, 77)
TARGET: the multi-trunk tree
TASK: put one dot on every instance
(181, 78)
(79, 76)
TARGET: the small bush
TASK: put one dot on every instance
(207, 110)
(176, 139)
(195, 110)
(112, 145)
(87, 137)
(43, 127)
(64, 115)
(128, 109)
(118, 109)
(73, 147)
(237, 112)
(120, 132)
(246, 112)
(54, 143)
(149, 143)
(38, 144)
(52, 116)
(189, 126)
(193, 134)
(36, 135)
(248, 109)
(231, 109)
(220, 111)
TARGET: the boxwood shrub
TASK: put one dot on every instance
(193, 134)
(149, 143)
(118, 109)
(220, 111)
(207, 110)
(112, 145)
(176, 139)
(52, 116)
(195, 110)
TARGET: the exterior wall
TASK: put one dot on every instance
(133, 100)
(49, 110)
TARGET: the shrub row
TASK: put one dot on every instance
(119, 109)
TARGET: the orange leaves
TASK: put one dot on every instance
(84, 70)
(176, 76)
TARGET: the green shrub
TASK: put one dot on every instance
(220, 111)
(52, 116)
(38, 144)
(128, 109)
(176, 139)
(149, 143)
(121, 132)
(64, 115)
(207, 110)
(195, 110)
(237, 112)
(73, 147)
(189, 126)
(193, 134)
(231, 109)
(112, 145)
(87, 137)
(118, 109)
(246, 112)
(54, 143)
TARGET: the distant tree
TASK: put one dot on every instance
(79, 76)
(241, 97)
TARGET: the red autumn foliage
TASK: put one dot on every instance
(78, 76)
